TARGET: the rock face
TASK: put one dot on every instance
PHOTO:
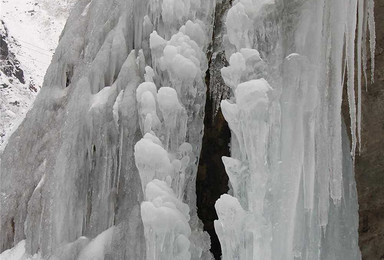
(369, 167)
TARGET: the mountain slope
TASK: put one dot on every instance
(29, 32)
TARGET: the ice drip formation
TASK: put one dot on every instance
(104, 165)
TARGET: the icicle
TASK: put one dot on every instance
(350, 60)
(360, 14)
(364, 45)
(304, 179)
(126, 137)
(372, 35)
(365, 25)
(165, 220)
(179, 65)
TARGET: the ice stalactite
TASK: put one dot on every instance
(289, 168)
(248, 119)
(165, 216)
(164, 157)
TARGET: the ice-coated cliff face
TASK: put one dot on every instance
(293, 192)
(104, 165)
(124, 70)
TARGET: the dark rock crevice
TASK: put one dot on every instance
(369, 161)
(212, 179)
(9, 65)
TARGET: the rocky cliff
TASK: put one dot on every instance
(369, 167)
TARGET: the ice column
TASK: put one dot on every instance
(248, 117)
(173, 115)
(165, 216)
(290, 166)
(168, 117)
(69, 179)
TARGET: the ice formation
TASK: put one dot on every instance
(289, 169)
(104, 165)
(163, 156)
(127, 78)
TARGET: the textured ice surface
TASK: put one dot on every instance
(73, 156)
(127, 79)
(15, 253)
(165, 220)
(178, 65)
(290, 167)
(105, 163)
(99, 246)
(162, 156)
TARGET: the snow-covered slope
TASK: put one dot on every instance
(29, 30)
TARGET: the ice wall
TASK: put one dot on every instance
(126, 74)
(293, 194)
(170, 118)
(104, 165)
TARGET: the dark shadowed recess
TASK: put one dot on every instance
(212, 180)
(369, 163)
(9, 65)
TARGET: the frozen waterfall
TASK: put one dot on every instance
(104, 165)
(293, 192)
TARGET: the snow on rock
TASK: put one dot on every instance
(37, 30)
(17, 91)
(30, 31)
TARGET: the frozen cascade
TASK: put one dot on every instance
(290, 170)
(126, 76)
(163, 156)
(104, 165)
